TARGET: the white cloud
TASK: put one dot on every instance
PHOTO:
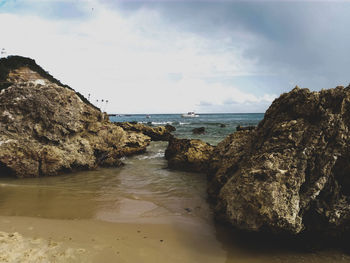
(131, 61)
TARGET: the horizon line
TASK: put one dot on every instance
(203, 113)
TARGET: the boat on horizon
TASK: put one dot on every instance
(190, 114)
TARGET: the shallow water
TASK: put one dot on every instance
(144, 188)
(145, 191)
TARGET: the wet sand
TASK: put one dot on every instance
(29, 239)
(98, 241)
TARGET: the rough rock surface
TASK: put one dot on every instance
(292, 173)
(159, 133)
(189, 155)
(46, 129)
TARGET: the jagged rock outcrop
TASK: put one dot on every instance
(292, 173)
(189, 155)
(47, 128)
(160, 133)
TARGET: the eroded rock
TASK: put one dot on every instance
(160, 133)
(46, 128)
(290, 174)
(189, 155)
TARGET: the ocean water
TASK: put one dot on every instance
(146, 191)
(184, 126)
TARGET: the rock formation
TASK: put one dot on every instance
(160, 133)
(47, 128)
(292, 173)
(189, 155)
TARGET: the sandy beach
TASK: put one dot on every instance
(27, 239)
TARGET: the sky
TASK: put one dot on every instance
(179, 56)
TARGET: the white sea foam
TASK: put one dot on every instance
(161, 122)
(153, 156)
(157, 122)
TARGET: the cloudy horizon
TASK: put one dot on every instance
(174, 56)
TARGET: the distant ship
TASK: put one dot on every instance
(190, 114)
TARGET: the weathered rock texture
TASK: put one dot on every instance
(292, 173)
(47, 128)
(189, 155)
(159, 133)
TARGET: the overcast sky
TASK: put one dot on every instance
(172, 57)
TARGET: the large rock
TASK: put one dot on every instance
(47, 128)
(189, 155)
(292, 173)
(224, 159)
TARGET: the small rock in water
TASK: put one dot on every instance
(222, 125)
(190, 155)
(245, 128)
(199, 130)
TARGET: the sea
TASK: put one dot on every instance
(145, 191)
(217, 126)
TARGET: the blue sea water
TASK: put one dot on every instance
(211, 122)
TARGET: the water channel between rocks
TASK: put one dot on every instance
(141, 212)
(144, 192)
